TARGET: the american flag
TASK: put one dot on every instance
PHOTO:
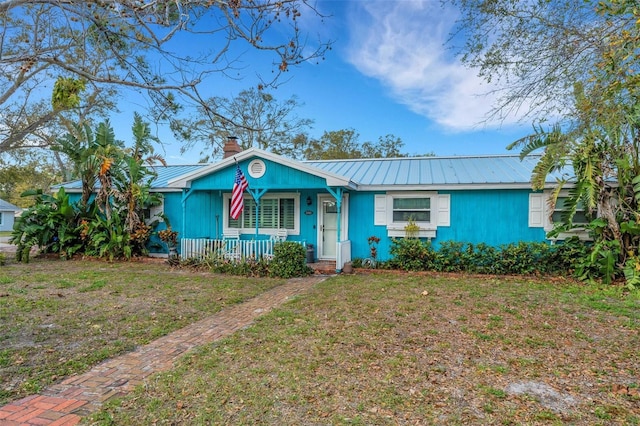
(239, 185)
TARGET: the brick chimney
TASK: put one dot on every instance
(231, 147)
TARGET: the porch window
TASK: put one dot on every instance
(417, 209)
(274, 212)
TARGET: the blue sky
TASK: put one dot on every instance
(389, 72)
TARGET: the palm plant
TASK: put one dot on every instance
(603, 149)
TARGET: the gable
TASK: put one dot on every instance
(272, 175)
(227, 166)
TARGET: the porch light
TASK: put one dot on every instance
(309, 201)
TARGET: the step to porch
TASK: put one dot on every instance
(323, 267)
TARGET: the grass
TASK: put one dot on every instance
(357, 349)
(391, 349)
(61, 318)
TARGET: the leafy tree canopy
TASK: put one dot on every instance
(93, 50)
(535, 51)
(342, 144)
(255, 116)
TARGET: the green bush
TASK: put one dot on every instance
(216, 262)
(411, 254)
(520, 258)
(289, 260)
(451, 257)
(49, 225)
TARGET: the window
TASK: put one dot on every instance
(1, 214)
(428, 209)
(579, 218)
(416, 209)
(274, 212)
(152, 214)
(541, 215)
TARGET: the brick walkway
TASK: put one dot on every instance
(65, 403)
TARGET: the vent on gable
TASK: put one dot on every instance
(257, 168)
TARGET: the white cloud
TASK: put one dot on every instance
(402, 44)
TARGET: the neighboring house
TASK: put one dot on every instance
(7, 215)
(336, 205)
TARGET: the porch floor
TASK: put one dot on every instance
(323, 267)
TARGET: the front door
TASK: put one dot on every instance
(328, 228)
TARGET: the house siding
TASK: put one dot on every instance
(490, 216)
(493, 217)
(6, 222)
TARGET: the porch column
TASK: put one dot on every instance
(256, 194)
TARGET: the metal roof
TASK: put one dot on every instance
(436, 171)
(389, 173)
(165, 174)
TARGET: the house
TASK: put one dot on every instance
(7, 215)
(333, 207)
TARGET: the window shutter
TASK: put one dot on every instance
(444, 210)
(536, 210)
(380, 207)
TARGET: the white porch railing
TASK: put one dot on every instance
(232, 249)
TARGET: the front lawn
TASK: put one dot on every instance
(59, 318)
(389, 349)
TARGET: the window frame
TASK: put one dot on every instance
(439, 214)
(423, 224)
(155, 213)
(266, 231)
(578, 231)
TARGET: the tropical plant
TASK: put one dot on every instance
(49, 225)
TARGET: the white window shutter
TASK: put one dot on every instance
(536, 210)
(444, 210)
(380, 210)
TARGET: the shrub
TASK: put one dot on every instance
(411, 254)
(289, 260)
(451, 257)
(521, 258)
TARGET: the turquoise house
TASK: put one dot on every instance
(333, 207)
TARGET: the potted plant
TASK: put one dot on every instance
(170, 238)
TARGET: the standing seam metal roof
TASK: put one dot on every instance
(470, 170)
(409, 171)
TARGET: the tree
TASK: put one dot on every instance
(602, 145)
(535, 50)
(16, 178)
(341, 144)
(131, 45)
(254, 116)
